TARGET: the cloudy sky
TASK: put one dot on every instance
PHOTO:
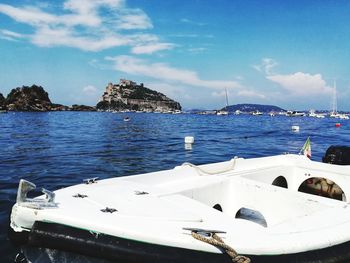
(286, 53)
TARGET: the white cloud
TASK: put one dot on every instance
(134, 19)
(151, 48)
(89, 90)
(266, 66)
(173, 91)
(28, 15)
(48, 37)
(87, 95)
(87, 6)
(250, 94)
(302, 84)
(191, 22)
(161, 71)
(219, 94)
(10, 35)
(90, 25)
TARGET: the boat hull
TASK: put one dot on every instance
(102, 246)
(116, 249)
(149, 217)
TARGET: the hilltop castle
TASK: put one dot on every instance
(128, 95)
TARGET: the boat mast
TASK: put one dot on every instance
(334, 102)
(226, 98)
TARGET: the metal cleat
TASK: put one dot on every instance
(23, 188)
(35, 203)
(79, 195)
(50, 196)
(204, 232)
(90, 180)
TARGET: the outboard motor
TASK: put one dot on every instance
(337, 155)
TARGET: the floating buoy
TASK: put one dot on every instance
(295, 128)
(337, 125)
(189, 139)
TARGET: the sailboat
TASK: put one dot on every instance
(222, 111)
(334, 113)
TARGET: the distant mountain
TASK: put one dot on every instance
(252, 107)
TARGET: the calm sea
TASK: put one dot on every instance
(59, 149)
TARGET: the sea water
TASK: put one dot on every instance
(59, 149)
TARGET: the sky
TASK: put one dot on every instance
(285, 53)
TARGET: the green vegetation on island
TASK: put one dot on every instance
(35, 98)
(127, 95)
(246, 107)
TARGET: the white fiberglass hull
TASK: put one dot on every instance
(154, 210)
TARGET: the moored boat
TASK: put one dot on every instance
(257, 113)
(261, 207)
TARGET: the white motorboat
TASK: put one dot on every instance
(222, 112)
(295, 114)
(257, 113)
(313, 114)
(283, 208)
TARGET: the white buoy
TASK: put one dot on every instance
(295, 128)
(189, 140)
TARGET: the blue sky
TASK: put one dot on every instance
(286, 53)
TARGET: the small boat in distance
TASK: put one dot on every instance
(224, 111)
(257, 113)
(126, 118)
(334, 112)
(294, 114)
(312, 113)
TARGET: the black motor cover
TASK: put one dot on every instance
(336, 154)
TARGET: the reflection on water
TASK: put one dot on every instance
(46, 255)
(59, 149)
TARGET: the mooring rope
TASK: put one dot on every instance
(201, 170)
(215, 240)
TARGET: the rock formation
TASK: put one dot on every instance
(33, 98)
(127, 95)
(76, 107)
(2, 102)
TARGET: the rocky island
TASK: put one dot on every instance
(2, 102)
(128, 95)
(35, 98)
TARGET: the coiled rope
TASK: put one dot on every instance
(215, 240)
(206, 172)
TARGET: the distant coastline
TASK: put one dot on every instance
(127, 96)
(124, 96)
